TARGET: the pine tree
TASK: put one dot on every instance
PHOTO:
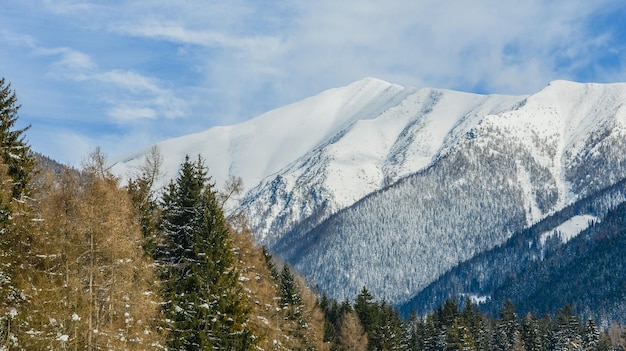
(591, 335)
(12, 258)
(16, 166)
(270, 263)
(206, 308)
(367, 309)
(289, 293)
(531, 335)
(13, 148)
(506, 333)
(567, 330)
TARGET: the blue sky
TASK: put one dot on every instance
(124, 74)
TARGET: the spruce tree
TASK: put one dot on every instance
(16, 166)
(289, 291)
(14, 150)
(206, 308)
(591, 335)
(530, 333)
(506, 333)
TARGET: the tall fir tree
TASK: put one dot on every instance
(206, 308)
(289, 293)
(16, 167)
(506, 329)
(14, 150)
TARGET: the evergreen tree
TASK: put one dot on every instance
(289, 291)
(506, 333)
(14, 150)
(269, 262)
(566, 333)
(414, 333)
(12, 259)
(16, 166)
(531, 334)
(368, 311)
(591, 335)
(389, 334)
(205, 308)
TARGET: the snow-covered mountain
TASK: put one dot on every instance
(473, 168)
(265, 145)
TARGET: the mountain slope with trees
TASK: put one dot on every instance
(585, 273)
(391, 186)
(484, 274)
(86, 263)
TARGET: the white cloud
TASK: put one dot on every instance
(136, 96)
(126, 113)
(17, 39)
(130, 81)
(178, 33)
(163, 67)
(71, 63)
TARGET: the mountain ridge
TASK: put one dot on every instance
(326, 154)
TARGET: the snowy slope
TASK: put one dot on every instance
(310, 160)
(569, 229)
(365, 156)
(484, 167)
(266, 144)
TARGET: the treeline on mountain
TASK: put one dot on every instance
(87, 263)
(494, 182)
(370, 325)
(587, 272)
(544, 275)
(402, 238)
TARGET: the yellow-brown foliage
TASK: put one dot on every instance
(89, 284)
(267, 317)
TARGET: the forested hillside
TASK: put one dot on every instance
(368, 324)
(485, 274)
(587, 273)
(407, 235)
(503, 173)
(387, 186)
(88, 263)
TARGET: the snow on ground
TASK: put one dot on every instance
(569, 229)
(533, 212)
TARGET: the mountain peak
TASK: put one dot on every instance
(310, 161)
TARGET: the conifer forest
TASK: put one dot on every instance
(91, 262)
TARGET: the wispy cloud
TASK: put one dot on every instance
(157, 68)
(122, 113)
(68, 63)
(17, 39)
(178, 33)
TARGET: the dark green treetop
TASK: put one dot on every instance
(206, 308)
(14, 150)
